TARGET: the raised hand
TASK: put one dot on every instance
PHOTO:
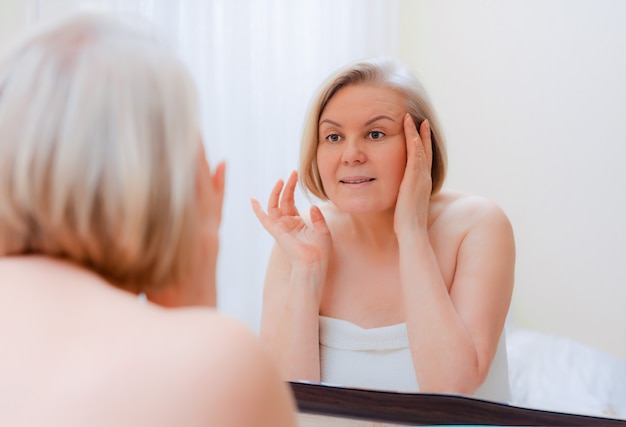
(414, 195)
(305, 245)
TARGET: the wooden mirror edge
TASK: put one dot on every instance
(428, 409)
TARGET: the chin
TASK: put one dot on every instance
(362, 207)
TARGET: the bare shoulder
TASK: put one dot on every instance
(109, 360)
(467, 209)
(483, 252)
(224, 373)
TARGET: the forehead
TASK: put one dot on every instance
(363, 102)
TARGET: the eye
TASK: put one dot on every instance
(333, 138)
(375, 134)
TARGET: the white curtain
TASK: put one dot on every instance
(256, 64)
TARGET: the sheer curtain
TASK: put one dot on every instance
(256, 64)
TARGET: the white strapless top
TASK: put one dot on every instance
(380, 358)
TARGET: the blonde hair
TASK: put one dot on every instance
(99, 138)
(374, 72)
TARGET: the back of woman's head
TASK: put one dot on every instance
(382, 72)
(99, 137)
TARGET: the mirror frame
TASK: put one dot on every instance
(428, 409)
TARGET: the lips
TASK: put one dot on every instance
(356, 180)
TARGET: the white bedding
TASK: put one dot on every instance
(559, 374)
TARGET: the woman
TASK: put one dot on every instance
(106, 194)
(393, 283)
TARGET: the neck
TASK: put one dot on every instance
(373, 230)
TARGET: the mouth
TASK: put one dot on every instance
(356, 180)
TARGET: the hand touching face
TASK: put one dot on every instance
(412, 207)
(362, 153)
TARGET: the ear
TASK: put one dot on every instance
(210, 189)
(218, 181)
(201, 288)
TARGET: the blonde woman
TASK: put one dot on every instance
(393, 282)
(106, 194)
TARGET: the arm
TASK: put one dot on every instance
(293, 284)
(453, 334)
(290, 320)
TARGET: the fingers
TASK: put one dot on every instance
(283, 204)
(413, 143)
(258, 210)
(272, 203)
(264, 219)
(318, 220)
(426, 140)
(418, 143)
(411, 135)
(287, 204)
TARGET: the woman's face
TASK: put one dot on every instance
(361, 155)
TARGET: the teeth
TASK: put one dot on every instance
(357, 181)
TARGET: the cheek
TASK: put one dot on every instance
(324, 167)
(397, 161)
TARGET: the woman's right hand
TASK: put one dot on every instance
(305, 245)
(294, 282)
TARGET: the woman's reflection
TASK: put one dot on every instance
(393, 283)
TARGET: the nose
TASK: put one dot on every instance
(353, 153)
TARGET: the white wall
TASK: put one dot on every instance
(532, 96)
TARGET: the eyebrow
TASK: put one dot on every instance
(367, 123)
(330, 122)
(377, 118)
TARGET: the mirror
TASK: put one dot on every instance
(530, 96)
(531, 100)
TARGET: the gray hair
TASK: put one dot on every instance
(99, 138)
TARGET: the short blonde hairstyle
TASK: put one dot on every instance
(99, 138)
(381, 72)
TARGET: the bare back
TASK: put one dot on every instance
(77, 351)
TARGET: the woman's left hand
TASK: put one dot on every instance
(414, 195)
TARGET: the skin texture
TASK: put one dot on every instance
(79, 351)
(384, 251)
